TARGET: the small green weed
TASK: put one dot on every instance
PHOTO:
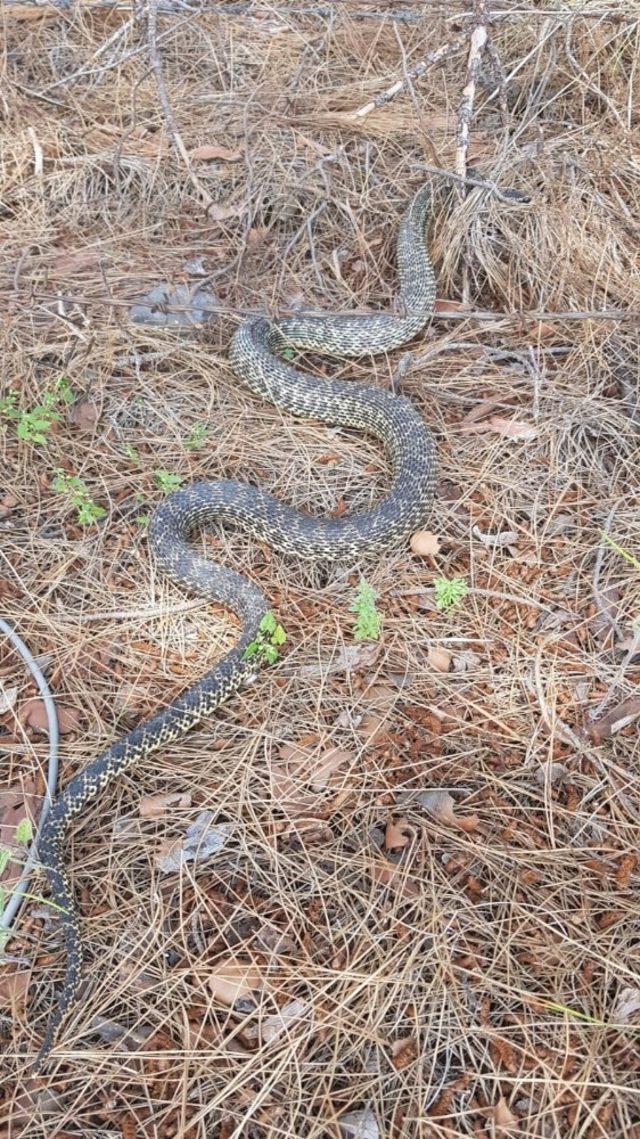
(450, 591)
(77, 492)
(368, 620)
(620, 550)
(166, 481)
(131, 453)
(196, 436)
(33, 425)
(267, 643)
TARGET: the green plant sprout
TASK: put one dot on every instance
(196, 436)
(619, 550)
(267, 642)
(368, 620)
(131, 453)
(77, 492)
(34, 425)
(166, 481)
(450, 591)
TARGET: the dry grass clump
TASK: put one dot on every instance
(424, 893)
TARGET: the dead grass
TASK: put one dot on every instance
(475, 979)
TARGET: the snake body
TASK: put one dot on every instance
(256, 359)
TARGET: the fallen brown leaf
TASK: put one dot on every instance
(14, 983)
(443, 304)
(325, 765)
(7, 503)
(440, 659)
(512, 428)
(385, 874)
(442, 806)
(233, 979)
(509, 428)
(222, 213)
(618, 718)
(504, 1118)
(76, 262)
(84, 415)
(404, 1052)
(397, 834)
(425, 543)
(212, 152)
(33, 714)
(156, 806)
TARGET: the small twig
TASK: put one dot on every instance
(418, 69)
(21, 890)
(477, 44)
(508, 195)
(174, 134)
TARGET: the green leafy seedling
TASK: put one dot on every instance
(131, 453)
(196, 436)
(78, 494)
(368, 620)
(450, 592)
(166, 481)
(266, 644)
(8, 405)
(34, 424)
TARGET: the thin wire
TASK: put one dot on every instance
(20, 890)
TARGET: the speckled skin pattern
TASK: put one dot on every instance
(254, 359)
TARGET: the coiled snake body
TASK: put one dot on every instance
(391, 418)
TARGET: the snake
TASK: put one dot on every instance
(258, 357)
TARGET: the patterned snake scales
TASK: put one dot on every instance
(254, 359)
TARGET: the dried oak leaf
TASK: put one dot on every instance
(442, 806)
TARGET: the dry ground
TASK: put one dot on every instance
(412, 963)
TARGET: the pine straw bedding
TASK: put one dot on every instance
(428, 873)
